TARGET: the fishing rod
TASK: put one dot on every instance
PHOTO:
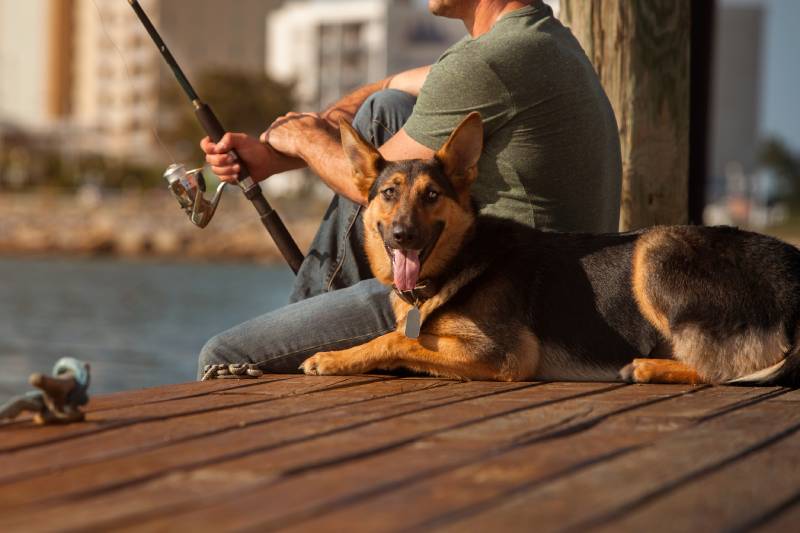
(188, 187)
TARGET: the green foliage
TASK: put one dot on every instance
(247, 102)
(114, 173)
(243, 101)
(774, 155)
(43, 167)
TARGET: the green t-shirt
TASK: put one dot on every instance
(551, 156)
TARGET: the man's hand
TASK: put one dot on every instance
(261, 160)
(292, 132)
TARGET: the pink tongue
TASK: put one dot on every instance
(405, 264)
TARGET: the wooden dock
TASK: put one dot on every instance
(377, 453)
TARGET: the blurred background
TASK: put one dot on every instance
(96, 259)
(754, 161)
(98, 262)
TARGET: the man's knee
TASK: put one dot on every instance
(383, 114)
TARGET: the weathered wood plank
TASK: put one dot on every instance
(159, 394)
(29, 463)
(383, 452)
(237, 442)
(230, 465)
(781, 518)
(18, 436)
(178, 391)
(610, 489)
(537, 458)
(411, 382)
(763, 479)
(460, 455)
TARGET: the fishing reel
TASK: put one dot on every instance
(188, 187)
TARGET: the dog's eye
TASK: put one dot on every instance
(388, 193)
(431, 196)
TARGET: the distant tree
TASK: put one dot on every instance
(774, 155)
(243, 101)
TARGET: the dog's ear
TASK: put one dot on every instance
(365, 159)
(461, 152)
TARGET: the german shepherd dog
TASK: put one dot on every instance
(498, 300)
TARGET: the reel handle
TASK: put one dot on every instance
(269, 217)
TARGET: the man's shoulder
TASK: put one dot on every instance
(517, 40)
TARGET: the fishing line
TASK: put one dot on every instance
(129, 76)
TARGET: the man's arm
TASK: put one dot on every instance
(317, 142)
(327, 159)
(315, 138)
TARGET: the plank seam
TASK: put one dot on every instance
(769, 515)
(249, 383)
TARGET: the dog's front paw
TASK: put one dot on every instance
(322, 364)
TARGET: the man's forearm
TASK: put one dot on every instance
(322, 151)
(344, 109)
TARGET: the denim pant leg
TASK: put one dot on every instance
(337, 304)
(336, 258)
(279, 341)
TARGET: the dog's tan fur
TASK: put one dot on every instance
(641, 272)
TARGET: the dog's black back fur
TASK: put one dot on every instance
(575, 290)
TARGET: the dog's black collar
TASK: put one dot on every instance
(424, 290)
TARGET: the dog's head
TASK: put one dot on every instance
(419, 211)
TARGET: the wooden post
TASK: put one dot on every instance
(640, 50)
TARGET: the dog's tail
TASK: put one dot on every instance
(785, 373)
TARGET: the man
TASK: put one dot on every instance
(551, 160)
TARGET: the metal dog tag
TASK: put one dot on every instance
(412, 323)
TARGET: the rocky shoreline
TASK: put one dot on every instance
(144, 224)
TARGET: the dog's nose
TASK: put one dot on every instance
(403, 234)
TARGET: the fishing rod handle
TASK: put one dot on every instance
(277, 229)
(269, 217)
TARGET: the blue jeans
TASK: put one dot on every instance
(336, 303)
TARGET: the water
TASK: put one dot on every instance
(137, 323)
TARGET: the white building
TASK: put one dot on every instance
(330, 48)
